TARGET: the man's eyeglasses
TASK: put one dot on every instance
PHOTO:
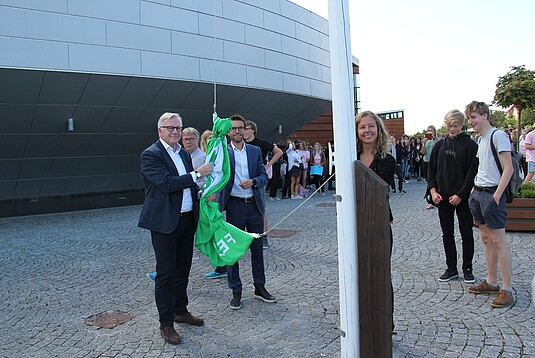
(238, 129)
(189, 139)
(171, 129)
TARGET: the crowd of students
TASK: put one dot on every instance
(302, 169)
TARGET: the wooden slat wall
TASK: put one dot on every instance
(374, 251)
(320, 129)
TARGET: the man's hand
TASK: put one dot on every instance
(211, 197)
(436, 197)
(247, 183)
(206, 169)
(455, 200)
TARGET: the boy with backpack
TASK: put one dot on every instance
(487, 204)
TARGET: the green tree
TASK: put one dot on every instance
(498, 118)
(516, 88)
(528, 117)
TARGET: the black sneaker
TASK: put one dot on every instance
(448, 276)
(235, 302)
(265, 243)
(468, 276)
(261, 293)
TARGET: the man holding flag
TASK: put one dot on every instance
(242, 200)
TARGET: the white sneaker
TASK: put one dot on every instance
(271, 199)
(294, 197)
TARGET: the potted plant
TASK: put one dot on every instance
(521, 211)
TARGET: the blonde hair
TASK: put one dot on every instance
(382, 144)
(206, 135)
(454, 116)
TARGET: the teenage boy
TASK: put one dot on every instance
(487, 204)
(452, 169)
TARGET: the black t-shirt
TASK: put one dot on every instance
(264, 146)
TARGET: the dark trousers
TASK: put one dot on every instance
(246, 215)
(445, 214)
(318, 180)
(174, 253)
(418, 169)
(286, 186)
(274, 181)
(400, 178)
(425, 167)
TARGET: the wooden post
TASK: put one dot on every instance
(374, 251)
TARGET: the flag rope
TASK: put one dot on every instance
(303, 203)
(214, 115)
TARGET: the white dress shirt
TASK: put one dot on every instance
(187, 201)
(241, 172)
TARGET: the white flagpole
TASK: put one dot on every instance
(346, 155)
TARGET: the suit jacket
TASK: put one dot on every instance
(164, 189)
(257, 171)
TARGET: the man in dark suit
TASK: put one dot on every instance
(169, 212)
(242, 199)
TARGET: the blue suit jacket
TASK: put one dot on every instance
(257, 171)
(164, 189)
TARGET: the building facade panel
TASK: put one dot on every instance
(12, 22)
(163, 65)
(307, 34)
(101, 59)
(294, 12)
(281, 62)
(319, 55)
(278, 23)
(228, 73)
(49, 5)
(318, 23)
(293, 83)
(168, 17)
(244, 54)
(262, 38)
(295, 48)
(319, 89)
(118, 10)
(243, 12)
(28, 53)
(196, 46)
(138, 37)
(65, 28)
(270, 5)
(259, 77)
(225, 29)
(205, 7)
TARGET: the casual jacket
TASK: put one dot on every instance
(453, 166)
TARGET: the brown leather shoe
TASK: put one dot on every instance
(188, 318)
(169, 335)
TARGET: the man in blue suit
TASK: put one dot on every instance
(243, 201)
(170, 213)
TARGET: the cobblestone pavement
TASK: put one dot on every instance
(60, 269)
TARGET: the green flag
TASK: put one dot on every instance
(222, 242)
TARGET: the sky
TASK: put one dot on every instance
(428, 56)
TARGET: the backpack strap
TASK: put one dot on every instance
(495, 153)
